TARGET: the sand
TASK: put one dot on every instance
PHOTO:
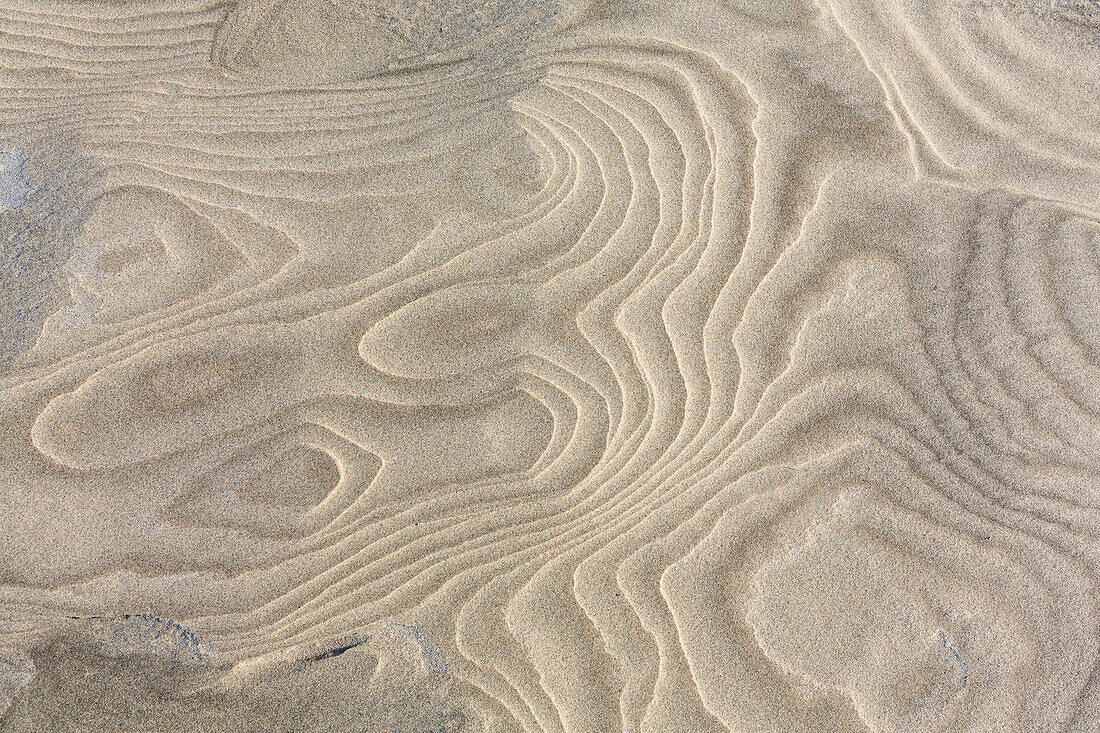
(485, 366)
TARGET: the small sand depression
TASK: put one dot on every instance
(596, 366)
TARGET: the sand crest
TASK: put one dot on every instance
(531, 365)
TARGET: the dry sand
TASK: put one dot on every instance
(424, 366)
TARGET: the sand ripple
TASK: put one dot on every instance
(547, 367)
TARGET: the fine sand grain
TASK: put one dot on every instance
(485, 366)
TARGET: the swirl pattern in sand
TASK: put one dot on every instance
(531, 365)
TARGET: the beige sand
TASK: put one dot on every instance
(527, 365)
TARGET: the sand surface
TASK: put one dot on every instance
(455, 366)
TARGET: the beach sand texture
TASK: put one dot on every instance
(455, 366)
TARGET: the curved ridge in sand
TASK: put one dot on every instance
(523, 366)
